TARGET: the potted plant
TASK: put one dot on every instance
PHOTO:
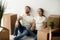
(2, 8)
(51, 24)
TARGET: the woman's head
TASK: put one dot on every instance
(40, 11)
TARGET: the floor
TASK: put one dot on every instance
(24, 38)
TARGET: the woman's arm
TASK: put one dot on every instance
(44, 24)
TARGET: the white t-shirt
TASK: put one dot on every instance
(26, 21)
(39, 22)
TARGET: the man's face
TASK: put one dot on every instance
(27, 10)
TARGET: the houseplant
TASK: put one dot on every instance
(51, 24)
(2, 8)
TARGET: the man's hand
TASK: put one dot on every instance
(17, 21)
(32, 29)
(33, 25)
(16, 24)
(20, 17)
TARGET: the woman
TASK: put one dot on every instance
(40, 20)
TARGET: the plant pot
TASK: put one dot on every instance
(51, 27)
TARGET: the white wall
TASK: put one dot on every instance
(17, 6)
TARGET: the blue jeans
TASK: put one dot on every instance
(23, 31)
(20, 28)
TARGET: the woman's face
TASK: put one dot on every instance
(39, 12)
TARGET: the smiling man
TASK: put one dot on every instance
(25, 27)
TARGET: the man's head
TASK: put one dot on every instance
(27, 9)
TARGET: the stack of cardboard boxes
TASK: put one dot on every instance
(9, 22)
(55, 19)
(44, 34)
(4, 34)
(8, 26)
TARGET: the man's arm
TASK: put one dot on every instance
(33, 25)
(17, 21)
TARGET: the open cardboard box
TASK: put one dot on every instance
(9, 22)
(4, 33)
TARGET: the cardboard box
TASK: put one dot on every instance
(45, 34)
(56, 38)
(4, 34)
(41, 35)
(9, 21)
(55, 19)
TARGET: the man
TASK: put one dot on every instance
(25, 28)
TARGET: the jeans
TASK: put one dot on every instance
(23, 32)
(20, 28)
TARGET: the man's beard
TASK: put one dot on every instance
(27, 12)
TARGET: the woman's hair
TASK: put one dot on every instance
(28, 7)
(42, 11)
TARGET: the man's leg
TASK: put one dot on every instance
(35, 31)
(25, 32)
(32, 34)
(15, 31)
(20, 28)
(35, 38)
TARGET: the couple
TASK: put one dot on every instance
(29, 23)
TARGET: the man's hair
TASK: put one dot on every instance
(28, 7)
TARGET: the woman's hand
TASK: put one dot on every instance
(44, 24)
